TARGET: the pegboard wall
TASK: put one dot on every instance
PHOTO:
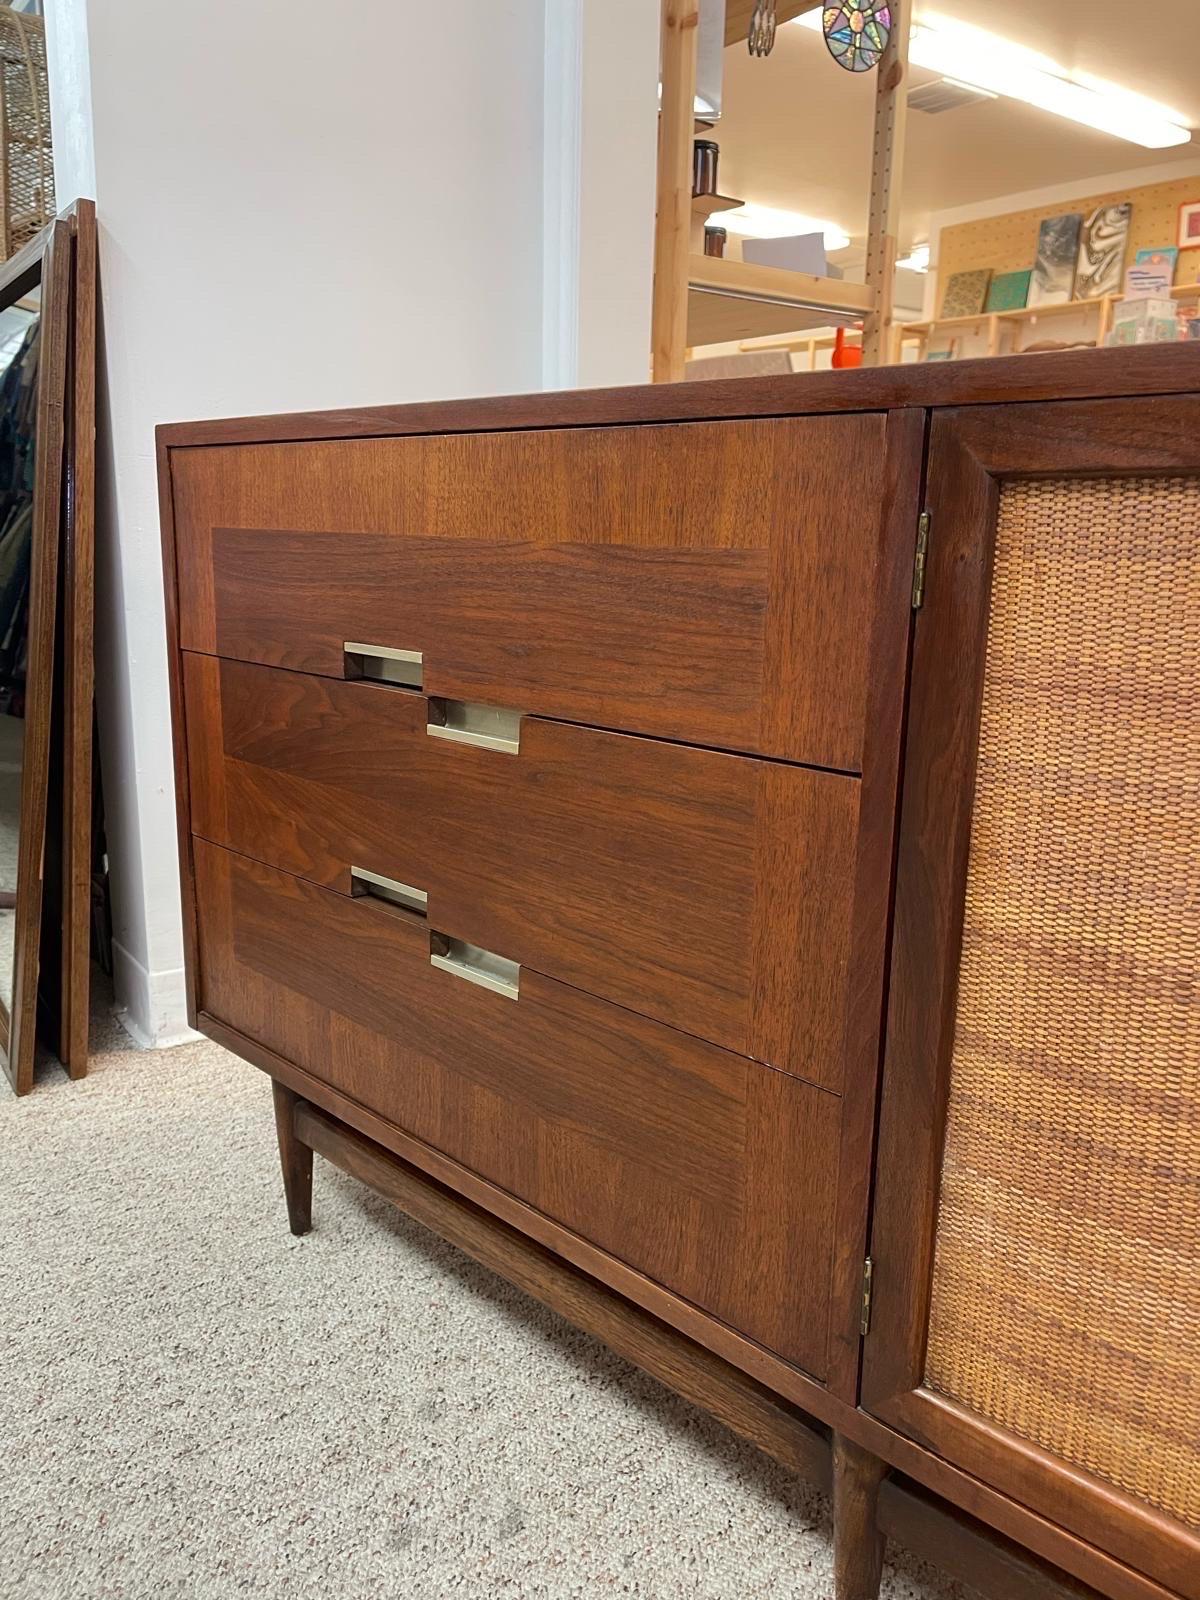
(1009, 243)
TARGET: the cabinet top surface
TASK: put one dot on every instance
(1058, 375)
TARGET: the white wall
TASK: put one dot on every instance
(601, 113)
(301, 206)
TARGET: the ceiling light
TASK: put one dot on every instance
(917, 259)
(765, 222)
(983, 61)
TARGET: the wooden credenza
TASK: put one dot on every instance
(728, 855)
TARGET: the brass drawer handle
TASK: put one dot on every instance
(382, 664)
(392, 890)
(468, 961)
(489, 727)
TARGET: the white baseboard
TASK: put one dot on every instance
(151, 1006)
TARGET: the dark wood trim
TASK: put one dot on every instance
(295, 1160)
(78, 654)
(963, 1547)
(935, 817)
(21, 272)
(967, 1551)
(1154, 1543)
(1040, 1534)
(857, 1536)
(183, 805)
(1106, 438)
(1063, 375)
(887, 679)
(970, 453)
(55, 277)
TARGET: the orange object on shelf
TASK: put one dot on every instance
(845, 355)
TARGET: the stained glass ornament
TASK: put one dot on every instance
(857, 32)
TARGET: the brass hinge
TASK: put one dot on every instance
(864, 1325)
(918, 587)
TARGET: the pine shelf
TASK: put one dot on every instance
(733, 300)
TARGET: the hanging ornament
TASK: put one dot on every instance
(856, 32)
(761, 38)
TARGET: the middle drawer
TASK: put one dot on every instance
(711, 891)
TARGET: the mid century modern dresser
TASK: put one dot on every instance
(727, 855)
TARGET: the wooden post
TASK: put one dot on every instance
(887, 172)
(295, 1160)
(857, 1539)
(672, 223)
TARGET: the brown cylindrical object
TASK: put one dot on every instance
(704, 166)
(714, 241)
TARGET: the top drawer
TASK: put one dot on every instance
(708, 582)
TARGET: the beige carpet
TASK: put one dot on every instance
(195, 1404)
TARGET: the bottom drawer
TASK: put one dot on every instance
(710, 1173)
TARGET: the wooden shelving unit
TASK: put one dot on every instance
(993, 323)
(739, 300)
(808, 347)
(705, 205)
(701, 300)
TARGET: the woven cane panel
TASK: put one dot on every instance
(26, 152)
(1066, 1287)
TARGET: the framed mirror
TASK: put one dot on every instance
(64, 979)
(78, 647)
(35, 333)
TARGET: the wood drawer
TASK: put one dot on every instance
(713, 892)
(709, 1173)
(709, 582)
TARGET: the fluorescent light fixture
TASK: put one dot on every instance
(765, 222)
(982, 61)
(917, 260)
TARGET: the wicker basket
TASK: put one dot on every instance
(26, 154)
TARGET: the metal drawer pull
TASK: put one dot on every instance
(467, 723)
(389, 889)
(383, 665)
(468, 961)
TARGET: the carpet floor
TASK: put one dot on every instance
(195, 1404)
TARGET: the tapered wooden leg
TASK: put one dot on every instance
(295, 1159)
(857, 1541)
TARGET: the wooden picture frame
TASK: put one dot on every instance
(78, 661)
(1189, 225)
(45, 261)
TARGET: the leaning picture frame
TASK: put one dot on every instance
(42, 269)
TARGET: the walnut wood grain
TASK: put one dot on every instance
(710, 584)
(78, 588)
(711, 1174)
(179, 739)
(875, 859)
(21, 1018)
(295, 1160)
(857, 1536)
(1054, 375)
(709, 891)
(968, 1551)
